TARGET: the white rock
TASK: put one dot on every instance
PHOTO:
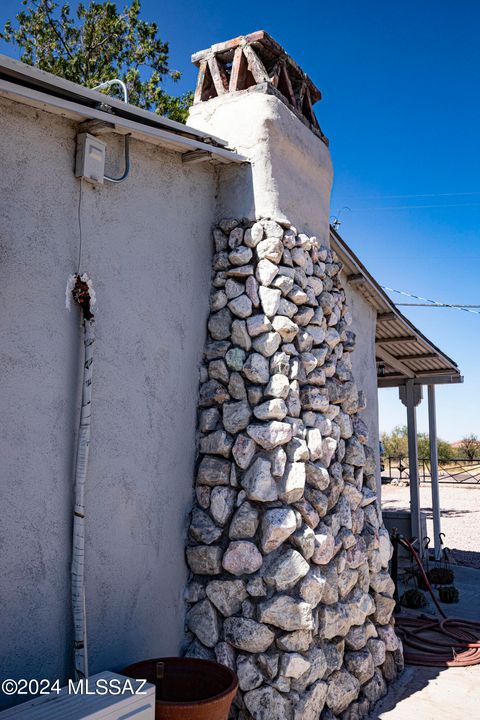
(292, 484)
(266, 271)
(287, 613)
(266, 703)
(243, 451)
(269, 299)
(267, 344)
(285, 327)
(293, 665)
(271, 249)
(271, 410)
(283, 571)
(270, 435)
(278, 386)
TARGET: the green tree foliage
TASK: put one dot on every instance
(96, 42)
(395, 444)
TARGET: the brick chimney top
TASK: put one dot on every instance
(256, 62)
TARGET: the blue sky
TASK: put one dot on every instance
(401, 106)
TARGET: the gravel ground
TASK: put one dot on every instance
(460, 519)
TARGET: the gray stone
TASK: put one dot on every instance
(287, 308)
(347, 581)
(242, 558)
(216, 349)
(324, 545)
(272, 229)
(249, 676)
(384, 607)
(219, 324)
(293, 665)
(283, 283)
(251, 287)
(271, 410)
(240, 256)
(283, 570)
(360, 664)
(308, 513)
(318, 666)
(277, 525)
(354, 452)
(258, 482)
(235, 236)
(278, 458)
(387, 634)
(225, 655)
(222, 503)
(244, 523)
(212, 393)
(236, 416)
(243, 451)
(205, 559)
(236, 387)
(297, 295)
(202, 493)
(256, 368)
(377, 650)
(266, 703)
(216, 443)
(318, 500)
(227, 595)
(285, 327)
(202, 527)
(297, 450)
(312, 587)
(240, 335)
(267, 344)
(311, 702)
(247, 635)
(317, 476)
(258, 324)
(270, 435)
(313, 398)
(213, 471)
(217, 370)
(194, 592)
(287, 613)
(376, 688)
(218, 301)
(203, 622)
(227, 225)
(235, 359)
(297, 641)
(269, 300)
(304, 540)
(233, 289)
(292, 484)
(208, 419)
(343, 689)
(241, 306)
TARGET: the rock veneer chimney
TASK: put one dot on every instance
(288, 556)
(252, 94)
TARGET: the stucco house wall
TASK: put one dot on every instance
(147, 246)
(364, 363)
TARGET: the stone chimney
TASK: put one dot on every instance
(255, 96)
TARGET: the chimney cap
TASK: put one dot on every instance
(253, 60)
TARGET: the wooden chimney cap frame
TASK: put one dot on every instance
(256, 60)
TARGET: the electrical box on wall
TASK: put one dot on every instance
(90, 158)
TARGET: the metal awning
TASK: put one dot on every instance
(403, 352)
(31, 86)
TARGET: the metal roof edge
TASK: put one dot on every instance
(341, 247)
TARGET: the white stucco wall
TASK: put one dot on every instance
(147, 246)
(290, 174)
(364, 361)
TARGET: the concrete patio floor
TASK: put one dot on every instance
(428, 693)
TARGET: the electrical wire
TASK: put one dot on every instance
(79, 216)
(432, 303)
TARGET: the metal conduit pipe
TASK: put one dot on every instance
(127, 164)
(109, 83)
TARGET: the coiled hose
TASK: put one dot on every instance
(446, 642)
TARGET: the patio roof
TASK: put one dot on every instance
(403, 352)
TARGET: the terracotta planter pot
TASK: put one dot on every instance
(187, 688)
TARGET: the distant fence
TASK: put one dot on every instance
(460, 471)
